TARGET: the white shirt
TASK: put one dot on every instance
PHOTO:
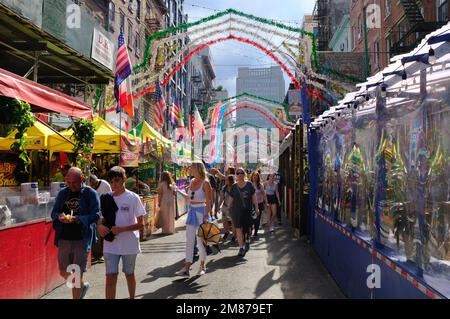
(103, 188)
(126, 243)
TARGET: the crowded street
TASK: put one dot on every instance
(268, 271)
(198, 151)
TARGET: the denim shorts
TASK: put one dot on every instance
(112, 263)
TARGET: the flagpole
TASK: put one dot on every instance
(191, 124)
(120, 137)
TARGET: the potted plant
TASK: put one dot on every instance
(83, 134)
(16, 115)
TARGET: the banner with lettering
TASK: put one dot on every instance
(130, 153)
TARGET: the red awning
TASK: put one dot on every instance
(40, 97)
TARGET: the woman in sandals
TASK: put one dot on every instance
(199, 195)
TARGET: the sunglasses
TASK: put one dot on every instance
(240, 173)
(192, 195)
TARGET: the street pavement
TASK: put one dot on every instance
(276, 266)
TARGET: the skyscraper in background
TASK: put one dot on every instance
(263, 82)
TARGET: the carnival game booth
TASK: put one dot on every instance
(380, 208)
(28, 257)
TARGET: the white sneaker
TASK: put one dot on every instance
(201, 271)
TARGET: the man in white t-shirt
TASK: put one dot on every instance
(129, 220)
(100, 185)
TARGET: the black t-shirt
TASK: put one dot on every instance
(213, 182)
(247, 193)
(72, 231)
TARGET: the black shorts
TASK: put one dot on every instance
(242, 219)
(272, 199)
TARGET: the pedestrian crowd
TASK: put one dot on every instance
(106, 217)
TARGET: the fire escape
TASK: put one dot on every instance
(416, 29)
(321, 15)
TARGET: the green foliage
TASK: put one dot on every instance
(16, 114)
(83, 134)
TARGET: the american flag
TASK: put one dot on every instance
(123, 67)
(160, 107)
(175, 111)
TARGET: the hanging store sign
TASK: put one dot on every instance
(130, 153)
(102, 49)
(295, 106)
(8, 164)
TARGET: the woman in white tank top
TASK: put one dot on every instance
(199, 195)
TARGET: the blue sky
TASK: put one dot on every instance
(230, 55)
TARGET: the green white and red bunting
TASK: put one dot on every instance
(233, 25)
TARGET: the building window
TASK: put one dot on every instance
(137, 43)
(130, 6)
(442, 13)
(388, 7)
(376, 48)
(130, 34)
(112, 15)
(388, 48)
(359, 27)
(138, 9)
(122, 22)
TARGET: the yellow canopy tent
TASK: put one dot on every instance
(39, 137)
(106, 137)
(145, 130)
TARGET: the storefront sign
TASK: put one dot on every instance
(7, 174)
(130, 153)
(147, 173)
(102, 49)
(295, 106)
(30, 9)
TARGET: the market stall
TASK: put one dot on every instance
(381, 179)
(29, 268)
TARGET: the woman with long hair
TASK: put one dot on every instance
(242, 198)
(261, 198)
(271, 188)
(223, 203)
(200, 198)
(166, 201)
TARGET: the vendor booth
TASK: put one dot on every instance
(380, 179)
(29, 266)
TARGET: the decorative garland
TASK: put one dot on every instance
(270, 118)
(186, 26)
(192, 44)
(212, 42)
(285, 106)
(175, 58)
(184, 29)
(283, 122)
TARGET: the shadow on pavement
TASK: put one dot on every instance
(301, 272)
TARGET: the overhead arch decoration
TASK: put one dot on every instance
(220, 112)
(237, 26)
(275, 109)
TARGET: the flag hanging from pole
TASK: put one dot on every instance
(196, 122)
(160, 107)
(175, 111)
(126, 98)
(123, 70)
